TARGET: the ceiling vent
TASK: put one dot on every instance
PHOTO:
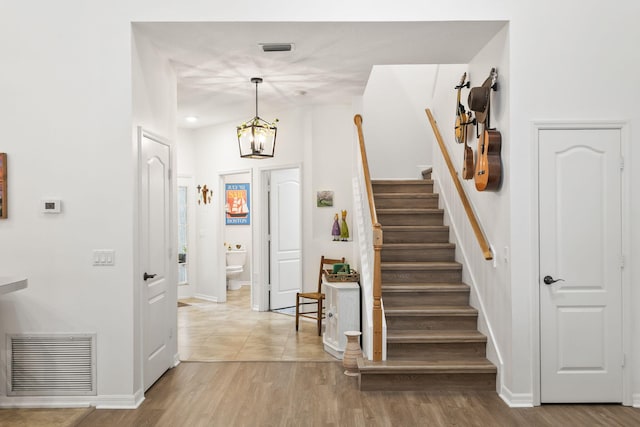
(276, 47)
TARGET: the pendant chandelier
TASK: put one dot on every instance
(257, 137)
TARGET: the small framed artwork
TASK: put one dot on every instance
(237, 210)
(3, 185)
(324, 199)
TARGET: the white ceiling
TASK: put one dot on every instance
(330, 62)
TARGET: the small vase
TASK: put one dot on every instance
(351, 353)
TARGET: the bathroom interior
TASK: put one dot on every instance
(237, 233)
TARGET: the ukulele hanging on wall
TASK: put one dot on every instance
(463, 119)
(488, 169)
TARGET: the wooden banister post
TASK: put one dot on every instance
(377, 293)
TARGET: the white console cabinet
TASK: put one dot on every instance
(342, 302)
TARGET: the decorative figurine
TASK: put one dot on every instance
(344, 230)
(335, 230)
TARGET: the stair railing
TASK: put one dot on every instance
(377, 248)
(475, 225)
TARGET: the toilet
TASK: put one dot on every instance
(235, 266)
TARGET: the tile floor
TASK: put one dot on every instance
(231, 331)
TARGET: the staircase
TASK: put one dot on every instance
(432, 337)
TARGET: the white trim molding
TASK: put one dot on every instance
(516, 400)
(124, 401)
(206, 297)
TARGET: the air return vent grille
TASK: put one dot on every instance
(51, 365)
(276, 47)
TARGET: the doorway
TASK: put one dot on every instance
(237, 231)
(580, 276)
(283, 236)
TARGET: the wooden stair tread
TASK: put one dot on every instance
(424, 265)
(425, 287)
(432, 310)
(470, 365)
(406, 195)
(435, 336)
(414, 227)
(401, 211)
(417, 246)
(402, 181)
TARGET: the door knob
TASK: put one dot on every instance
(148, 276)
(549, 280)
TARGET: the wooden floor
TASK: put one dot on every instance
(310, 393)
(319, 394)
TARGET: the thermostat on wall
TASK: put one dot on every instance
(50, 206)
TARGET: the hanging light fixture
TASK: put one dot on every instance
(257, 138)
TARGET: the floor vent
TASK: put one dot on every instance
(51, 365)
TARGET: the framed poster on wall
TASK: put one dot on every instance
(3, 185)
(237, 209)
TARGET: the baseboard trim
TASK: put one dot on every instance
(176, 360)
(139, 397)
(118, 402)
(100, 402)
(206, 297)
(635, 400)
(516, 400)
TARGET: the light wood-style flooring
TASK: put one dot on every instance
(208, 332)
(318, 394)
(296, 393)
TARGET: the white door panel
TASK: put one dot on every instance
(154, 257)
(580, 245)
(286, 241)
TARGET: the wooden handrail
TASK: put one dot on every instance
(377, 248)
(357, 119)
(475, 225)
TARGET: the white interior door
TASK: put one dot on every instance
(285, 219)
(581, 247)
(155, 244)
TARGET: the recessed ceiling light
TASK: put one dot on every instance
(191, 119)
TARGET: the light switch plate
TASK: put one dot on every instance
(104, 257)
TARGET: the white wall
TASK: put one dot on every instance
(489, 280)
(396, 132)
(67, 120)
(332, 161)
(57, 148)
(154, 109)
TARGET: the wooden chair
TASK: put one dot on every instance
(315, 297)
